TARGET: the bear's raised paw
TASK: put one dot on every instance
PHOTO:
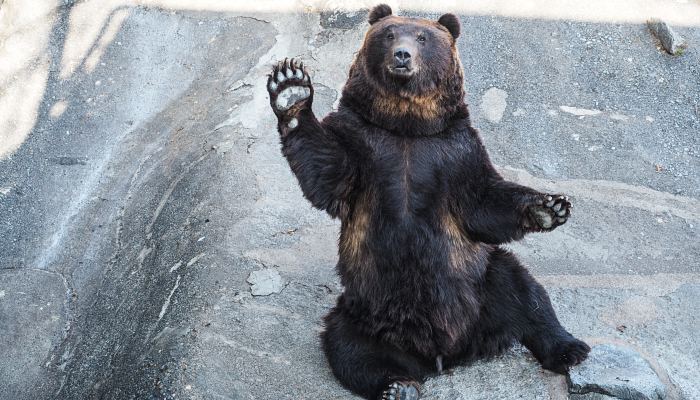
(289, 86)
(550, 211)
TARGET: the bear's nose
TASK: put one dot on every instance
(402, 57)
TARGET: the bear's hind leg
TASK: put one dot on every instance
(368, 368)
(516, 303)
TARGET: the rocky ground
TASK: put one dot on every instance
(142, 189)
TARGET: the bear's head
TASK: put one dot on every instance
(407, 76)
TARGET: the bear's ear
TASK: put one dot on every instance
(378, 13)
(451, 22)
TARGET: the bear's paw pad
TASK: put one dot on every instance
(551, 211)
(401, 390)
(288, 84)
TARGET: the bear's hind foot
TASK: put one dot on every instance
(401, 390)
(565, 355)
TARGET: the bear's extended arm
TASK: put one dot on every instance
(317, 158)
(498, 211)
(325, 172)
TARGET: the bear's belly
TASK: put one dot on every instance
(433, 319)
(414, 285)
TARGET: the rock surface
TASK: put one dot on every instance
(618, 372)
(671, 41)
(484, 380)
(265, 282)
(590, 396)
(33, 319)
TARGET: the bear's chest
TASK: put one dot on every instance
(411, 176)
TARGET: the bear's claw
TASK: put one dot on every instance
(289, 86)
(401, 390)
(566, 355)
(550, 211)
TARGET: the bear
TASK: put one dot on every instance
(423, 214)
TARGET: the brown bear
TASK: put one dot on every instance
(423, 212)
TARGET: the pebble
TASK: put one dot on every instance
(582, 112)
(493, 104)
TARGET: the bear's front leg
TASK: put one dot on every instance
(503, 211)
(325, 170)
(291, 92)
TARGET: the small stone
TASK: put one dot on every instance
(671, 41)
(618, 372)
(493, 104)
(581, 112)
(265, 282)
(619, 117)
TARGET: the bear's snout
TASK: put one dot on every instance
(402, 58)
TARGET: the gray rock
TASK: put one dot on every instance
(493, 104)
(515, 375)
(265, 282)
(590, 396)
(671, 41)
(339, 19)
(618, 372)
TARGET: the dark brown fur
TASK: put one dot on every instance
(420, 108)
(422, 212)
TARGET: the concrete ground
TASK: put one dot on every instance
(141, 183)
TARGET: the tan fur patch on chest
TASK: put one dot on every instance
(423, 107)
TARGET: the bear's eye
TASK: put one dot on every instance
(421, 38)
(390, 36)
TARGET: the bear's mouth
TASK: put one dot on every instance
(401, 71)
